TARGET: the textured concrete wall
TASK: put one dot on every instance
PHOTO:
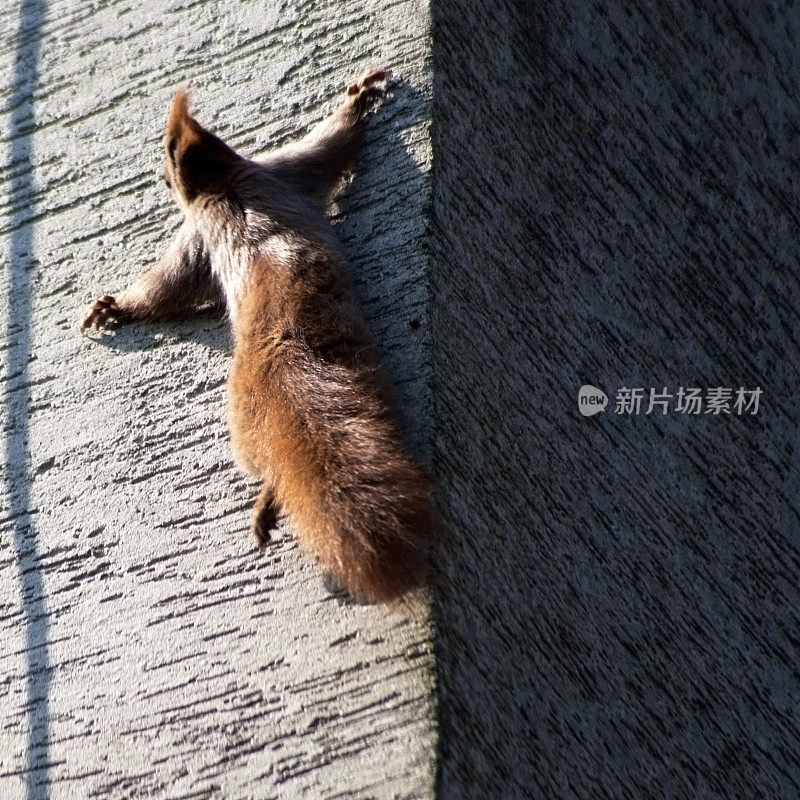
(146, 648)
(616, 203)
(613, 202)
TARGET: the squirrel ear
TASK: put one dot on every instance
(181, 127)
(197, 161)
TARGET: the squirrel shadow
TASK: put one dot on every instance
(206, 326)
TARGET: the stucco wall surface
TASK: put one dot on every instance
(147, 649)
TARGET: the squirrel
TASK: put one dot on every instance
(309, 405)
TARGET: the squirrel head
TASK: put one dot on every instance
(196, 161)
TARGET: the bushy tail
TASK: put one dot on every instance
(357, 500)
(375, 538)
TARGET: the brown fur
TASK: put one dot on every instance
(309, 405)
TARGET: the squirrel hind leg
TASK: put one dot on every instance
(264, 518)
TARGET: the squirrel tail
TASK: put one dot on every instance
(358, 501)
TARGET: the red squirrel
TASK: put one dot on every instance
(309, 405)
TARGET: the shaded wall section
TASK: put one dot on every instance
(147, 648)
(17, 267)
(616, 203)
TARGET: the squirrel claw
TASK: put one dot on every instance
(366, 86)
(103, 313)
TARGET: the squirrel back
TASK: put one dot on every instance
(314, 417)
(310, 410)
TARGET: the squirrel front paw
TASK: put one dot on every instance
(369, 87)
(104, 313)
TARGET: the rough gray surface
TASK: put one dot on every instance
(147, 649)
(616, 202)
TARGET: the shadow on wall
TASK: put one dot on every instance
(16, 469)
(388, 275)
(615, 202)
